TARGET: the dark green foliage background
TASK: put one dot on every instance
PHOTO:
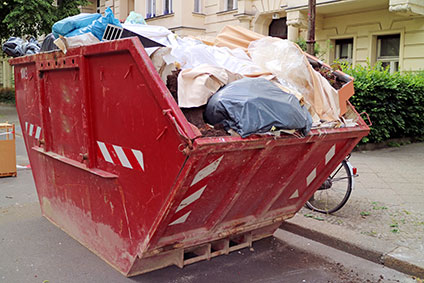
(394, 102)
(7, 95)
(34, 17)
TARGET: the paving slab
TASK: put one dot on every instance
(383, 220)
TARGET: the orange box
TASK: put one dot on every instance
(7, 150)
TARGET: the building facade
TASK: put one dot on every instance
(357, 31)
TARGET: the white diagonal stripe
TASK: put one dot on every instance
(295, 195)
(26, 126)
(31, 127)
(190, 199)
(105, 152)
(182, 219)
(206, 171)
(37, 133)
(122, 157)
(330, 154)
(139, 155)
(311, 177)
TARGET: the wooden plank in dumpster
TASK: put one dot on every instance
(119, 168)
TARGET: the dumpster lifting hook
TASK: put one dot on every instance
(167, 112)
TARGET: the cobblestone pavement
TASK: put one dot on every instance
(388, 199)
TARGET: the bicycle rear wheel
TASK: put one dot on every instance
(331, 197)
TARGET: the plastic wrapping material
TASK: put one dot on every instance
(191, 53)
(286, 60)
(16, 47)
(197, 85)
(98, 26)
(255, 105)
(65, 26)
(236, 37)
(48, 43)
(135, 18)
(64, 43)
(157, 33)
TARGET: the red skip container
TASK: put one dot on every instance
(118, 167)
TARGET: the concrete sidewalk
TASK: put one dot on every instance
(383, 220)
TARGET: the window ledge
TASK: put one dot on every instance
(233, 11)
(160, 16)
(199, 14)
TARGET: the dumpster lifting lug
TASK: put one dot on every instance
(168, 114)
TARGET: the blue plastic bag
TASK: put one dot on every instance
(135, 18)
(65, 26)
(98, 26)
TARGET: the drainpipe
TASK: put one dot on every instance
(311, 27)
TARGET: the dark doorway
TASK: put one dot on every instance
(278, 28)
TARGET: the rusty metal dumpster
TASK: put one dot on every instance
(118, 167)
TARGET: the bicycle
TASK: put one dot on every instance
(335, 191)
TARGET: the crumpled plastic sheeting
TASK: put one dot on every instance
(66, 25)
(286, 60)
(98, 26)
(135, 18)
(197, 85)
(255, 105)
(191, 53)
(157, 33)
(64, 43)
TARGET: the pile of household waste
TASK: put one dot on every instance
(241, 83)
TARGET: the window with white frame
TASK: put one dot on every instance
(230, 5)
(198, 6)
(344, 49)
(150, 8)
(388, 47)
(167, 7)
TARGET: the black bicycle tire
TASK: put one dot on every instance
(344, 200)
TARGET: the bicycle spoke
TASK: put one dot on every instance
(328, 199)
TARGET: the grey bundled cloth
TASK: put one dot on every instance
(16, 47)
(255, 105)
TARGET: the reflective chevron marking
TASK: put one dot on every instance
(330, 154)
(202, 174)
(180, 220)
(122, 156)
(33, 130)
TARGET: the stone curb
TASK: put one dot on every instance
(376, 250)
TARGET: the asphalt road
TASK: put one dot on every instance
(34, 250)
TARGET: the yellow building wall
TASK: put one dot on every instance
(364, 27)
(333, 22)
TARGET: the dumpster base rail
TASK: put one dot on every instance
(184, 256)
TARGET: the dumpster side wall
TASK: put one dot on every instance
(104, 144)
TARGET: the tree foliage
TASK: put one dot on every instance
(34, 17)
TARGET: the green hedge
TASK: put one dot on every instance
(7, 95)
(394, 102)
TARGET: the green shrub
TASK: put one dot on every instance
(7, 95)
(394, 102)
(304, 46)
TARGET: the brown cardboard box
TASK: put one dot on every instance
(7, 150)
